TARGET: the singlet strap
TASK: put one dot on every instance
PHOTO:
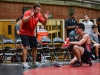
(81, 37)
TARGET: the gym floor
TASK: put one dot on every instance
(49, 69)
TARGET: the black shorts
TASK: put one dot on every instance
(29, 41)
(86, 55)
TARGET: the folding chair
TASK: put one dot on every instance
(18, 41)
(45, 41)
(7, 49)
(17, 57)
(57, 40)
(45, 47)
(1, 54)
(67, 53)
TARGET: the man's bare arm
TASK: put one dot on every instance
(45, 21)
(17, 32)
(26, 19)
(93, 41)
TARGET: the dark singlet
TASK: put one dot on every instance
(86, 57)
(86, 46)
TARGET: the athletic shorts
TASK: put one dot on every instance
(30, 41)
(86, 55)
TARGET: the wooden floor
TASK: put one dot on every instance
(49, 69)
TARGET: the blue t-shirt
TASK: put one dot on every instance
(73, 36)
(94, 37)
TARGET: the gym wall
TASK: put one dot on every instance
(9, 10)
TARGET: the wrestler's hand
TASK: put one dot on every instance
(68, 45)
(47, 14)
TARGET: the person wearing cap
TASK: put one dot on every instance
(98, 23)
(70, 24)
(88, 24)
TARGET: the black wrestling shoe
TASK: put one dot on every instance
(90, 63)
(97, 57)
(79, 63)
(76, 64)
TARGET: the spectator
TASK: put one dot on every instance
(98, 23)
(95, 40)
(88, 24)
(70, 24)
(17, 28)
(73, 36)
(92, 21)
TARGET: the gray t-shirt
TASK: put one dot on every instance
(17, 28)
(88, 26)
(73, 36)
(94, 37)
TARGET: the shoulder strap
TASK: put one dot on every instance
(83, 35)
(79, 38)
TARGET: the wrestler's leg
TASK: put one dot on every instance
(78, 51)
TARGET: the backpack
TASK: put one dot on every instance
(16, 58)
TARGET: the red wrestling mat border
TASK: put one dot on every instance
(66, 70)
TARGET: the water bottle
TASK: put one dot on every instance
(42, 58)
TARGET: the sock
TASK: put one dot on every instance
(79, 60)
(97, 54)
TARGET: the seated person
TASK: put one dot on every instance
(95, 40)
(98, 24)
(81, 48)
(73, 36)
